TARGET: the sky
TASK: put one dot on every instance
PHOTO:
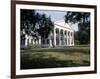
(56, 16)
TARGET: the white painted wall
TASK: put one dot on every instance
(5, 56)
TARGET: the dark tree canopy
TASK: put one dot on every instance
(46, 26)
(35, 24)
(83, 20)
(77, 17)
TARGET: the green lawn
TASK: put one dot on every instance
(55, 57)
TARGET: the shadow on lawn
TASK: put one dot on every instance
(36, 62)
(59, 50)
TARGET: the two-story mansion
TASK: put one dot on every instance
(62, 35)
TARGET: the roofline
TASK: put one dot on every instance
(63, 27)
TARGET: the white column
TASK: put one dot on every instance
(26, 40)
(73, 38)
(67, 39)
(59, 38)
(64, 37)
(54, 37)
(50, 42)
(51, 38)
(39, 41)
(29, 39)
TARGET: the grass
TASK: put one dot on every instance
(55, 57)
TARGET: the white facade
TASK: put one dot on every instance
(62, 35)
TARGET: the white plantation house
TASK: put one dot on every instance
(62, 35)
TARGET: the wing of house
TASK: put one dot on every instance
(62, 35)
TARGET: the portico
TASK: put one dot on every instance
(63, 35)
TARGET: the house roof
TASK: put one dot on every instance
(62, 23)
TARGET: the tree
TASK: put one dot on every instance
(83, 20)
(45, 27)
(35, 24)
(76, 37)
(29, 18)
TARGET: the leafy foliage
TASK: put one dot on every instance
(46, 25)
(83, 20)
(35, 24)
